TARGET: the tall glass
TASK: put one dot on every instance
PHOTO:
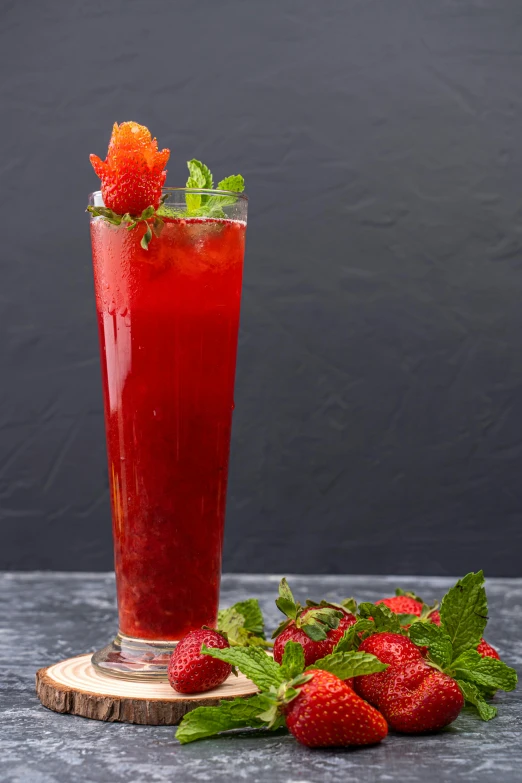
(168, 322)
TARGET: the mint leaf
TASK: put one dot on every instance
(474, 697)
(236, 183)
(463, 612)
(433, 637)
(232, 623)
(193, 200)
(349, 664)
(293, 662)
(243, 623)
(200, 177)
(253, 662)
(486, 672)
(215, 204)
(383, 617)
(355, 634)
(207, 721)
(251, 611)
(199, 174)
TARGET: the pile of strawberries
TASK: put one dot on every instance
(342, 675)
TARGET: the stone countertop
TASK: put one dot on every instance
(45, 617)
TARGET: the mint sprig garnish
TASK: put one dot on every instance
(452, 645)
(315, 620)
(243, 624)
(279, 685)
(205, 204)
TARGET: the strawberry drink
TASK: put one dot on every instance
(167, 269)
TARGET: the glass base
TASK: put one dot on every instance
(134, 659)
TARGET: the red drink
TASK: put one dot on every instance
(168, 321)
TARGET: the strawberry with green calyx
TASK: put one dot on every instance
(280, 685)
(243, 624)
(327, 713)
(190, 671)
(452, 645)
(316, 627)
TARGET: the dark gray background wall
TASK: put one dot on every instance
(379, 390)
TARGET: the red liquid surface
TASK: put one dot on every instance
(168, 322)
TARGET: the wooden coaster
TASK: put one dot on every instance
(75, 686)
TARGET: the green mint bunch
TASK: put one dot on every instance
(278, 686)
(452, 645)
(204, 204)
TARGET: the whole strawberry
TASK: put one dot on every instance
(327, 713)
(313, 649)
(390, 648)
(191, 672)
(132, 174)
(416, 698)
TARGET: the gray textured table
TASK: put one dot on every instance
(46, 617)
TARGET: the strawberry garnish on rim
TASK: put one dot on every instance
(132, 175)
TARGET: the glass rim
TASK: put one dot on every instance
(196, 191)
